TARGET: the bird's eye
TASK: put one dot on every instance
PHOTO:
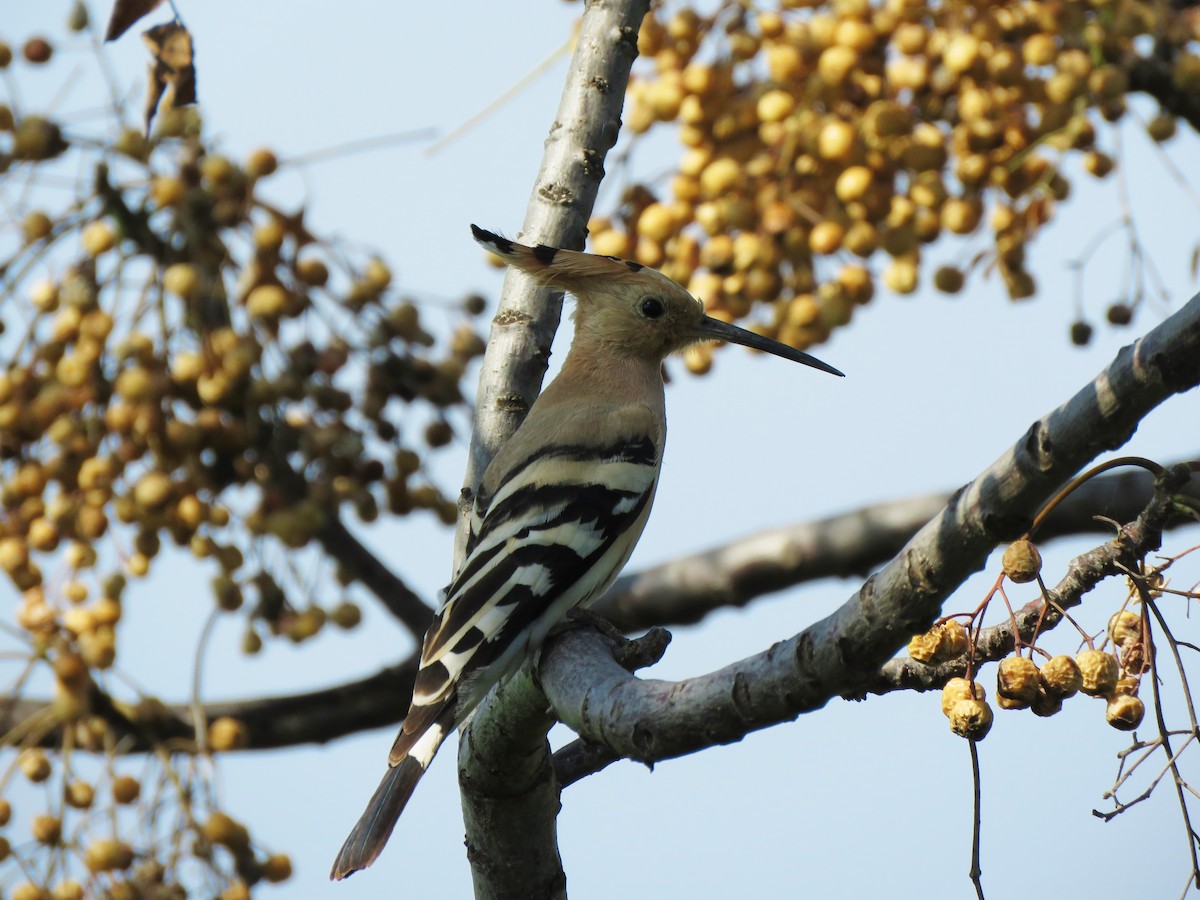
(652, 307)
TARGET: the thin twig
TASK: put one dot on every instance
(976, 872)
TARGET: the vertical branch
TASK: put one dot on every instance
(511, 800)
(583, 131)
(509, 795)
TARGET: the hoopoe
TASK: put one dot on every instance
(559, 509)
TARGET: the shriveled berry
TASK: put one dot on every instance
(1098, 672)
(1017, 679)
(944, 641)
(1022, 562)
(1011, 703)
(1128, 685)
(1125, 712)
(971, 719)
(1061, 676)
(1045, 703)
(1125, 628)
(960, 689)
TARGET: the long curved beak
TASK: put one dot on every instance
(716, 330)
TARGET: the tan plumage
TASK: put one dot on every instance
(559, 509)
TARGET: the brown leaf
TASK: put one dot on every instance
(172, 75)
(125, 13)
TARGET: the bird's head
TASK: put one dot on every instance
(629, 308)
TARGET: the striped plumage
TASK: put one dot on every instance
(559, 509)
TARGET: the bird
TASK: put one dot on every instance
(560, 507)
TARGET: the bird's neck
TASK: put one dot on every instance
(616, 380)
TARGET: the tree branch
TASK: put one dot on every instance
(653, 720)
(501, 736)
(678, 592)
(685, 590)
(510, 799)
(314, 717)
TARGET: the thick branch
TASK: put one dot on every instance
(687, 589)
(503, 735)
(510, 800)
(679, 592)
(314, 717)
(653, 720)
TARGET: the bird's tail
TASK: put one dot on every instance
(374, 826)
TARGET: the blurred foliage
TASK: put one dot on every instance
(825, 146)
(183, 364)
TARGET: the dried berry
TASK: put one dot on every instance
(1125, 712)
(1098, 672)
(1017, 680)
(971, 719)
(1125, 628)
(1046, 703)
(960, 689)
(1022, 562)
(944, 641)
(1061, 676)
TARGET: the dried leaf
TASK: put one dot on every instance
(1195, 260)
(172, 80)
(125, 13)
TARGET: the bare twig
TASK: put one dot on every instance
(976, 872)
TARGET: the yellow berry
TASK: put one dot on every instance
(277, 867)
(80, 794)
(971, 719)
(182, 280)
(222, 829)
(46, 829)
(126, 789)
(960, 689)
(1098, 672)
(1061, 677)
(261, 162)
(1125, 712)
(1022, 562)
(227, 733)
(97, 238)
(1017, 679)
(108, 855)
(267, 301)
(34, 765)
(1125, 628)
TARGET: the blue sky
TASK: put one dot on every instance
(857, 799)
